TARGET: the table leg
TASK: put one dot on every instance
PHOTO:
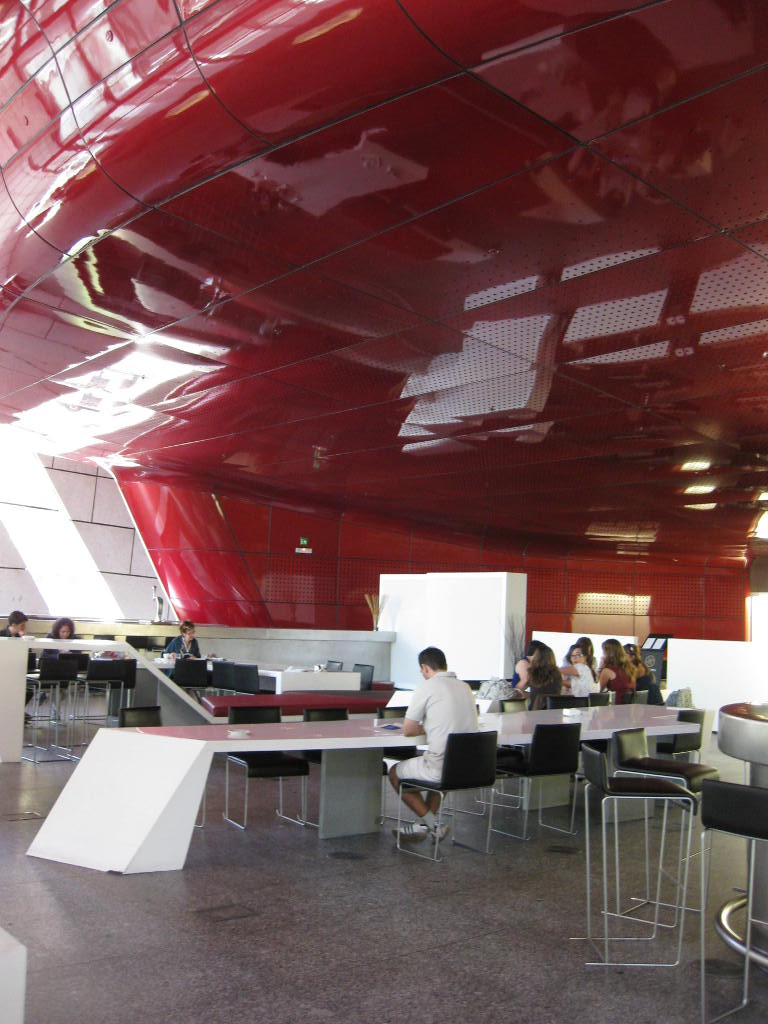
(350, 792)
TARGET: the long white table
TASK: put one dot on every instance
(131, 803)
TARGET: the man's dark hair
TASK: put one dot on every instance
(16, 618)
(433, 658)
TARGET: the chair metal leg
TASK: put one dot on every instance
(226, 815)
(302, 819)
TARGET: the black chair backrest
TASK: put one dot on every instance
(366, 675)
(628, 744)
(246, 679)
(223, 675)
(253, 715)
(55, 669)
(555, 749)
(470, 760)
(599, 700)
(325, 714)
(566, 701)
(334, 666)
(139, 718)
(730, 807)
(628, 697)
(190, 672)
(392, 712)
(83, 661)
(687, 741)
(139, 643)
(112, 670)
(594, 766)
(31, 660)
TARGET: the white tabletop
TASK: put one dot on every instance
(516, 728)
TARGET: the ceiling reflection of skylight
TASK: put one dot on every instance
(695, 465)
(616, 316)
(500, 292)
(704, 506)
(483, 379)
(738, 283)
(640, 353)
(700, 489)
(491, 348)
(641, 533)
(103, 400)
(734, 333)
(602, 262)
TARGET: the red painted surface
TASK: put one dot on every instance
(296, 703)
(471, 306)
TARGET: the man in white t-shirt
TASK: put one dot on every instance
(442, 704)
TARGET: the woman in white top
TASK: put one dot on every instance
(578, 677)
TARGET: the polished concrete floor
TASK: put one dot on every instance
(275, 925)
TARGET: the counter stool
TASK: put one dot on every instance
(612, 791)
(740, 811)
(55, 678)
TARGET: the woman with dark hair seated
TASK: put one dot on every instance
(543, 677)
(62, 629)
(184, 645)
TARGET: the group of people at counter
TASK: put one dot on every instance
(621, 670)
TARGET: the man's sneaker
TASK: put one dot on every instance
(439, 832)
(412, 832)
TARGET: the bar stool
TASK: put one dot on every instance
(613, 790)
(740, 811)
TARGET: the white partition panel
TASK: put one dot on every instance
(718, 672)
(477, 618)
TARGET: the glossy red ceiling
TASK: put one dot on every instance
(496, 264)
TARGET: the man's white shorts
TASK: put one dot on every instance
(417, 768)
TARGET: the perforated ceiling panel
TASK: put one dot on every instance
(513, 281)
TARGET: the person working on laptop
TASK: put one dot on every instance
(442, 704)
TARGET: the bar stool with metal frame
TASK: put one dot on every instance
(737, 810)
(54, 674)
(648, 789)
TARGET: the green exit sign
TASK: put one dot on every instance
(304, 542)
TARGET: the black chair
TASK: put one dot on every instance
(564, 701)
(246, 679)
(322, 715)
(738, 811)
(469, 762)
(599, 700)
(630, 749)
(105, 675)
(648, 789)
(334, 666)
(138, 643)
(56, 677)
(628, 697)
(191, 674)
(264, 765)
(684, 742)
(223, 676)
(554, 750)
(366, 675)
(139, 717)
